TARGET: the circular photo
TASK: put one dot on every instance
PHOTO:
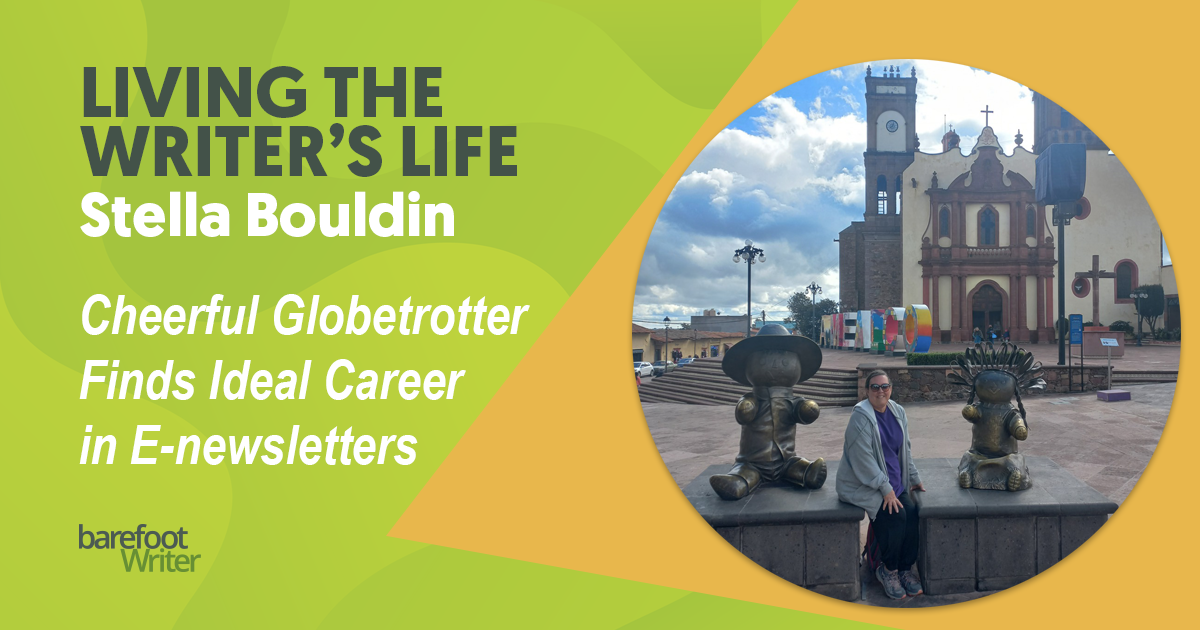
(906, 333)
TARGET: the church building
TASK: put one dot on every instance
(964, 235)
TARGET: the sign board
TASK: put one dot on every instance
(1060, 173)
(1076, 330)
(1112, 343)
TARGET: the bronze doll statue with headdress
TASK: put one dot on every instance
(997, 424)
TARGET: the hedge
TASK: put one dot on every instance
(932, 358)
(1121, 326)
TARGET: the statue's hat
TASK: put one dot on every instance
(772, 337)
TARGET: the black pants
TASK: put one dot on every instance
(897, 534)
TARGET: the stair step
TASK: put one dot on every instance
(703, 382)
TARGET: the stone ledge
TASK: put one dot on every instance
(772, 503)
(988, 539)
(1055, 492)
(803, 536)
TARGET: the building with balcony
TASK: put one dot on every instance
(974, 245)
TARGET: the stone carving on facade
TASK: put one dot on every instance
(997, 377)
(987, 138)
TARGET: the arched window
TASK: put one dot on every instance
(881, 195)
(987, 227)
(1126, 280)
(899, 191)
(1030, 221)
(944, 221)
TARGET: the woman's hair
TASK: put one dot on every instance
(875, 373)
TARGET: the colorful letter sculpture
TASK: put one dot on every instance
(918, 327)
(877, 330)
(893, 325)
(863, 340)
(997, 425)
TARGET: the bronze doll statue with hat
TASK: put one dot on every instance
(771, 362)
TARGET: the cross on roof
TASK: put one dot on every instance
(985, 111)
(1095, 274)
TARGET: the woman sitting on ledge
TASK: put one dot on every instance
(875, 471)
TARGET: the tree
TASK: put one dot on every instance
(801, 308)
(1151, 308)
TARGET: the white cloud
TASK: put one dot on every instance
(960, 93)
(792, 183)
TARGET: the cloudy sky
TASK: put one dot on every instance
(788, 174)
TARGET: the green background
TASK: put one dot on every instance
(604, 97)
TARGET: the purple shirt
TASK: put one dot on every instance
(893, 439)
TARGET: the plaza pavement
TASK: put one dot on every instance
(1106, 445)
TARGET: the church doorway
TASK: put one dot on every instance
(986, 309)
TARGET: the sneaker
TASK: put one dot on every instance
(890, 582)
(910, 582)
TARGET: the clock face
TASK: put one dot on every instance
(892, 126)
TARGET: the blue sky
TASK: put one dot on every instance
(788, 174)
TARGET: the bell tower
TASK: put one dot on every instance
(891, 138)
(1052, 124)
(871, 250)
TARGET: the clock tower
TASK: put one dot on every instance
(891, 137)
(871, 250)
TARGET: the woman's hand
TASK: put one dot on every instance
(919, 488)
(891, 503)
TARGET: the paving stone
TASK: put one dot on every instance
(1006, 547)
(999, 583)
(953, 556)
(778, 549)
(1048, 542)
(949, 587)
(732, 535)
(832, 553)
(846, 591)
(1077, 529)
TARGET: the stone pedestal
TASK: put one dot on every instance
(806, 537)
(985, 540)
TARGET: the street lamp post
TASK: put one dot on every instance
(751, 255)
(1139, 297)
(1063, 213)
(814, 289)
(667, 343)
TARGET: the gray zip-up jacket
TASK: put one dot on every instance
(862, 477)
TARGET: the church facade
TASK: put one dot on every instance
(964, 235)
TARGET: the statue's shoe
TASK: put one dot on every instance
(729, 487)
(814, 477)
(1018, 481)
(964, 479)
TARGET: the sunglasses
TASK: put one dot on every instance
(876, 387)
